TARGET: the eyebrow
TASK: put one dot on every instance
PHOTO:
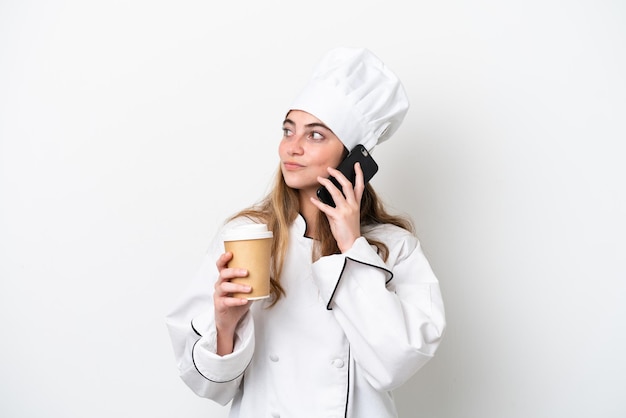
(310, 125)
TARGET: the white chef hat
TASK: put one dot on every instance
(356, 96)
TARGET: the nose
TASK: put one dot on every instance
(295, 146)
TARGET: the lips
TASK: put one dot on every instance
(290, 165)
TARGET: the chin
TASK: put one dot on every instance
(294, 185)
(298, 184)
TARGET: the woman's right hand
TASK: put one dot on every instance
(228, 309)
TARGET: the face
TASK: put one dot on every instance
(307, 149)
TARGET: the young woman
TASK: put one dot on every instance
(355, 308)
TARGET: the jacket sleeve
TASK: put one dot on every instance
(392, 313)
(191, 326)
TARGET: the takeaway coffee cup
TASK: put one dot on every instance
(251, 246)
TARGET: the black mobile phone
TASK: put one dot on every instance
(358, 154)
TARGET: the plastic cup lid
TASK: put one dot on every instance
(249, 231)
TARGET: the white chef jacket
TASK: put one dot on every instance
(350, 329)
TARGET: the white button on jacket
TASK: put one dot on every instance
(350, 329)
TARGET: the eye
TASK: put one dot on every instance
(316, 136)
(287, 132)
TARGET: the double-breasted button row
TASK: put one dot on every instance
(338, 363)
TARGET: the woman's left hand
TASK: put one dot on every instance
(345, 217)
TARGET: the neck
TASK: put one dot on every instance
(309, 212)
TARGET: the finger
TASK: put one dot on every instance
(340, 177)
(223, 302)
(233, 273)
(335, 193)
(359, 183)
(321, 206)
(230, 287)
(346, 185)
(233, 302)
(227, 274)
(222, 261)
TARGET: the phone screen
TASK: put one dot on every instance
(358, 154)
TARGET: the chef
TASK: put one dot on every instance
(355, 309)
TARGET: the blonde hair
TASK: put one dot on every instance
(279, 210)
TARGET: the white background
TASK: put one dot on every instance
(130, 129)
